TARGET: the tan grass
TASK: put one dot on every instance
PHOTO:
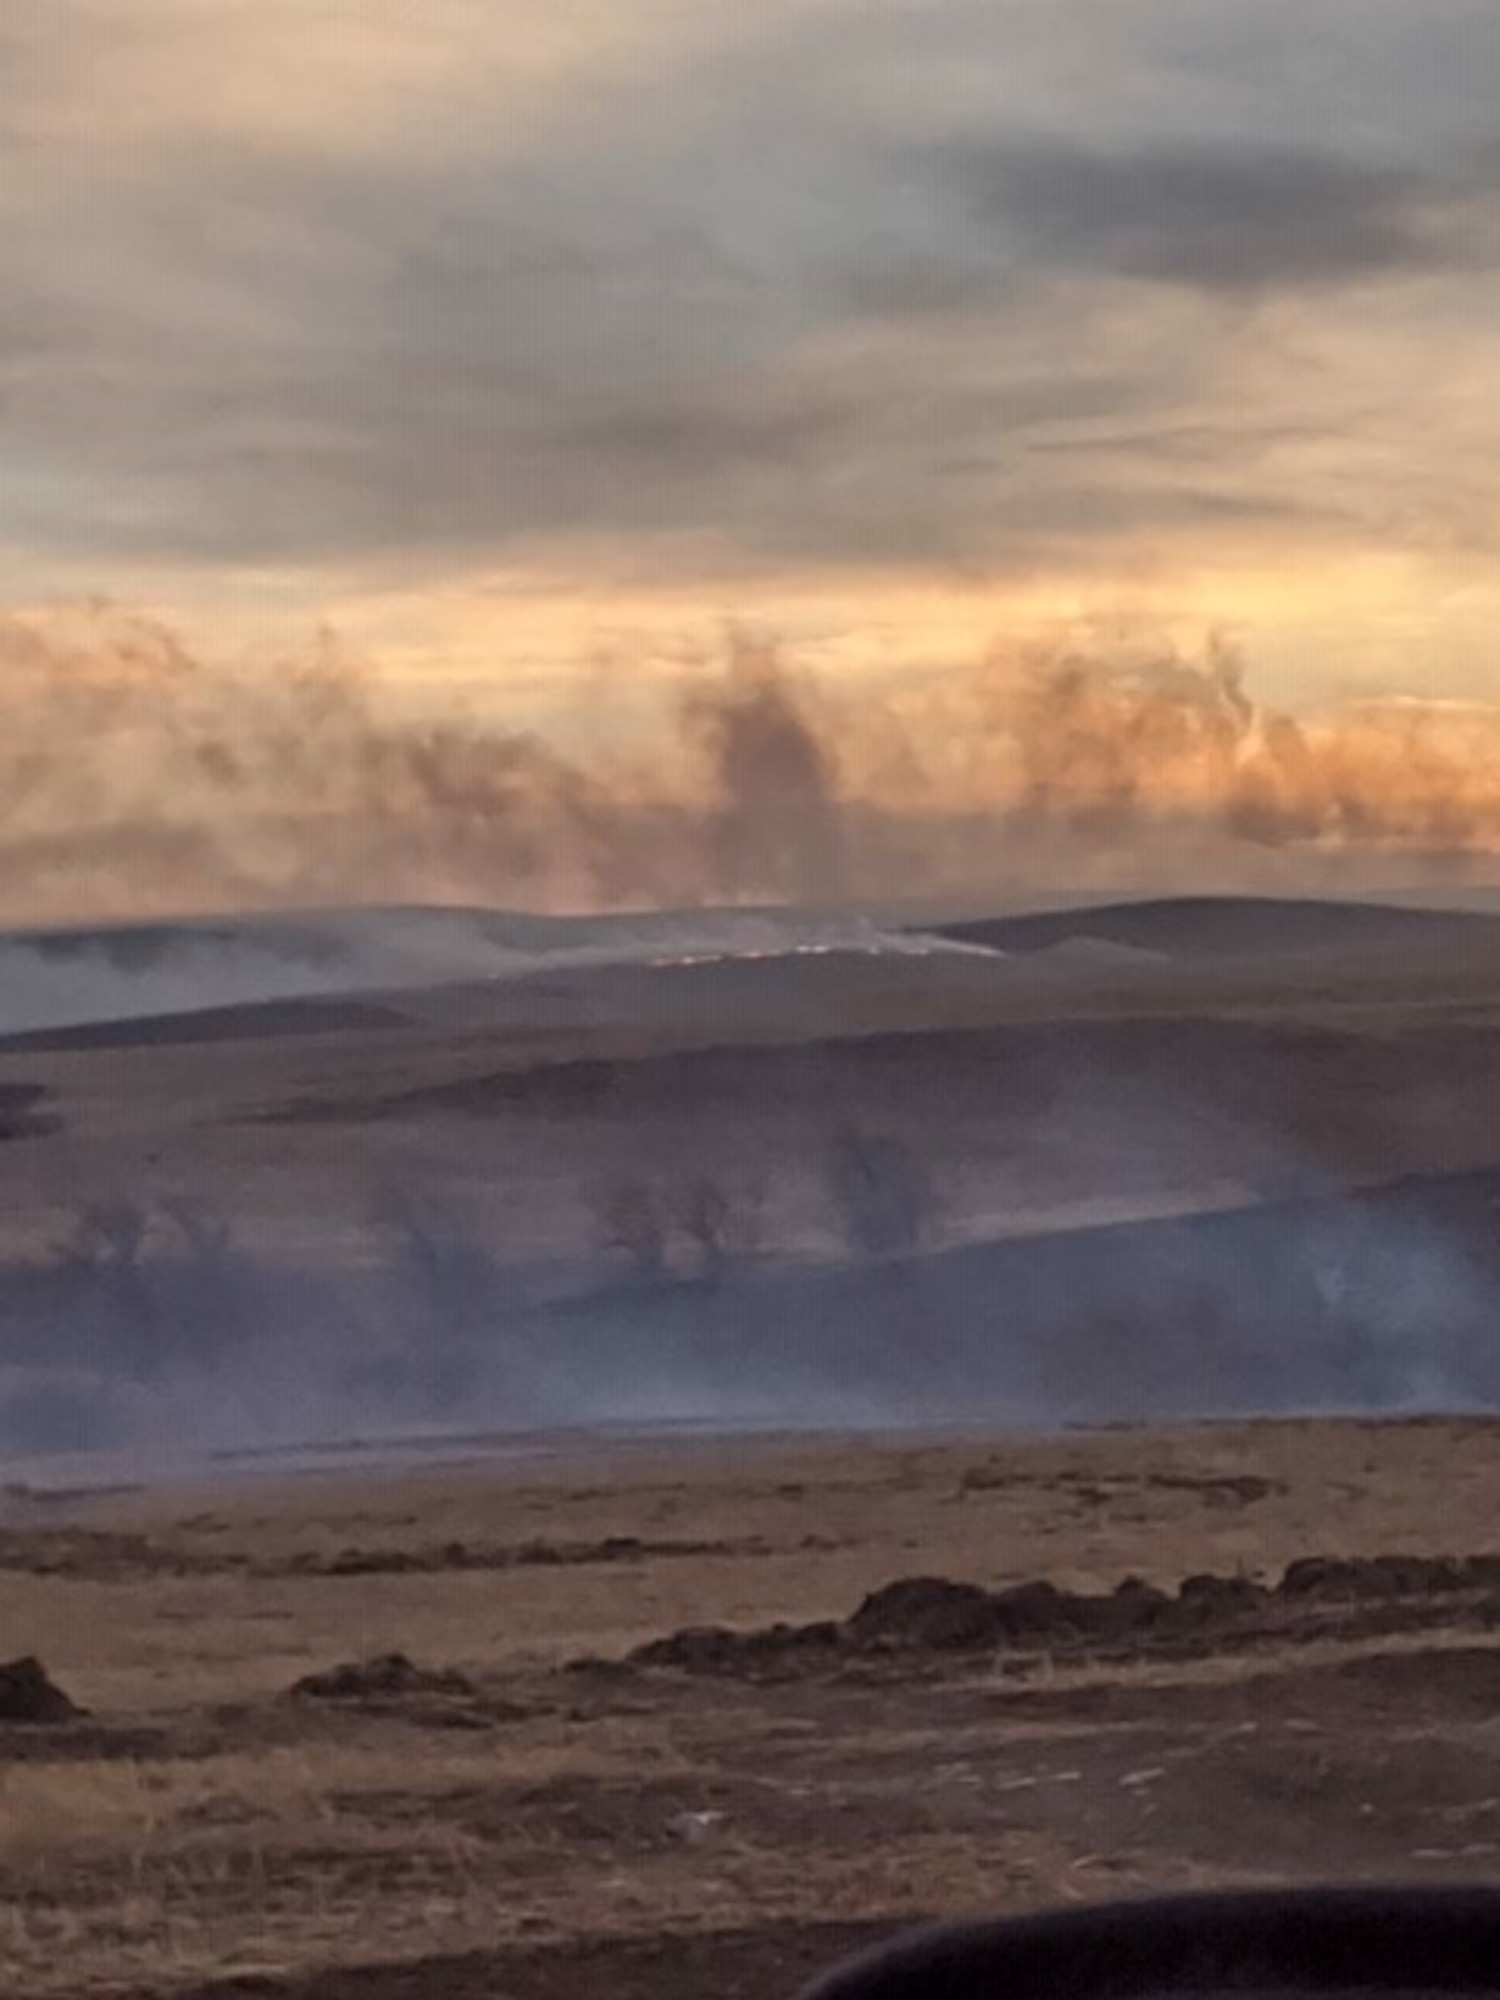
(350, 1838)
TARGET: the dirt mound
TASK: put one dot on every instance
(386, 1677)
(1389, 1576)
(29, 1694)
(923, 1611)
(535, 1554)
(708, 1649)
(932, 1612)
(935, 1614)
(928, 1614)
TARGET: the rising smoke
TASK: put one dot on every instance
(139, 774)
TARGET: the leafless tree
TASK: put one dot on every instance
(725, 1226)
(632, 1223)
(881, 1194)
(107, 1237)
(452, 1282)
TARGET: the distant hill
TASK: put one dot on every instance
(254, 1020)
(1224, 926)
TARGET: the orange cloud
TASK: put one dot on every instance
(139, 773)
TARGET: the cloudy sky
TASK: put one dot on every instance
(501, 334)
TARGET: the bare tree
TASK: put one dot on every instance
(107, 1237)
(632, 1223)
(723, 1226)
(882, 1196)
(23, 1112)
(452, 1280)
(705, 1219)
(105, 1253)
(206, 1235)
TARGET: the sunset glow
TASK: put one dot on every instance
(540, 360)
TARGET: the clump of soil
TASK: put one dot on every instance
(474, 1555)
(708, 1649)
(29, 1694)
(388, 1676)
(934, 1614)
(1389, 1576)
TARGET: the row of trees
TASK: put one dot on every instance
(705, 1227)
(151, 1291)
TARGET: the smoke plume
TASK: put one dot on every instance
(139, 774)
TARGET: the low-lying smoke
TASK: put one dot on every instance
(138, 774)
(157, 1332)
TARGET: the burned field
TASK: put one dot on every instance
(1157, 1161)
(618, 1721)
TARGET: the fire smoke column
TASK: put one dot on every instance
(774, 826)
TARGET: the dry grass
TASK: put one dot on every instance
(1083, 1510)
(246, 1831)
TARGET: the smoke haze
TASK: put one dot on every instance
(139, 776)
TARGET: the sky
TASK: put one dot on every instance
(435, 314)
(530, 348)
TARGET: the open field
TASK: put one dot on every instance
(545, 1815)
(593, 1350)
